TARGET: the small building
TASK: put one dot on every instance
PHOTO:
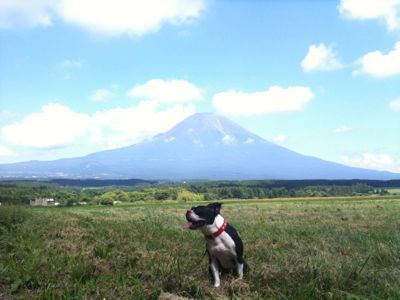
(44, 202)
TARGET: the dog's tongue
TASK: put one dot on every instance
(188, 225)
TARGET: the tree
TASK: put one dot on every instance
(187, 196)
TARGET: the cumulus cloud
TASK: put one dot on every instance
(387, 10)
(57, 125)
(54, 125)
(274, 99)
(132, 17)
(71, 63)
(67, 67)
(380, 65)
(343, 129)
(101, 95)
(320, 58)
(119, 127)
(14, 13)
(395, 105)
(167, 91)
(374, 161)
(4, 151)
(7, 115)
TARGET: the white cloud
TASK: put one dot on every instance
(280, 138)
(14, 13)
(7, 115)
(167, 91)
(101, 95)
(388, 10)
(71, 63)
(395, 105)
(374, 161)
(381, 65)
(275, 99)
(119, 127)
(320, 58)
(4, 151)
(57, 125)
(343, 129)
(132, 17)
(67, 67)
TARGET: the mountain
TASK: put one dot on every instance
(203, 146)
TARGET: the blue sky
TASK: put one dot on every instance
(319, 77)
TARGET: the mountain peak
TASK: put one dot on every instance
(206, 118)
(210, 127)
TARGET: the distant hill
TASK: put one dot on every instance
(204, 146)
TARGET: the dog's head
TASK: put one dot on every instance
(200, 216)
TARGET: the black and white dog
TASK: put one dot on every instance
(224, 246)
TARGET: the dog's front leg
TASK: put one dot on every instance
(215, 272)
(239, 269)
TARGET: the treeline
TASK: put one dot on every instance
(297, 184)
(70, 196)
(159, 194)
(250, 191)
(125, 183)
(66, 197)
(182, 192)
(199, 192)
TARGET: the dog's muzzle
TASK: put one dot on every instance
(194, 221)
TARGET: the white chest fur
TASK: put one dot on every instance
(223, 248)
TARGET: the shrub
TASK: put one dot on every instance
(186, 196)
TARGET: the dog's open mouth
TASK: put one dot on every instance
(194, 224)
(194, 221)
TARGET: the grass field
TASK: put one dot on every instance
(296, 249)
(393, 191)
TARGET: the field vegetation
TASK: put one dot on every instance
(297, 249)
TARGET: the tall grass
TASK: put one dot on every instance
(296, 250)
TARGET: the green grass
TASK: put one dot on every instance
(393, 191)
(296, 249)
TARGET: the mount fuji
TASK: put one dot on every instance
(203, 146)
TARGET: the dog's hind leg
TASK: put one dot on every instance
(241, 267)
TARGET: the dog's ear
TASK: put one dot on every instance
(216, 206)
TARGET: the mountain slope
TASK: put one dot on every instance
(204, 146)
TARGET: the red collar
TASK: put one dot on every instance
(219, 231)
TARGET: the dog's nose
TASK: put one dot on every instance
(188, 213)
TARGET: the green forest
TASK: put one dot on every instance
(104, 192)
